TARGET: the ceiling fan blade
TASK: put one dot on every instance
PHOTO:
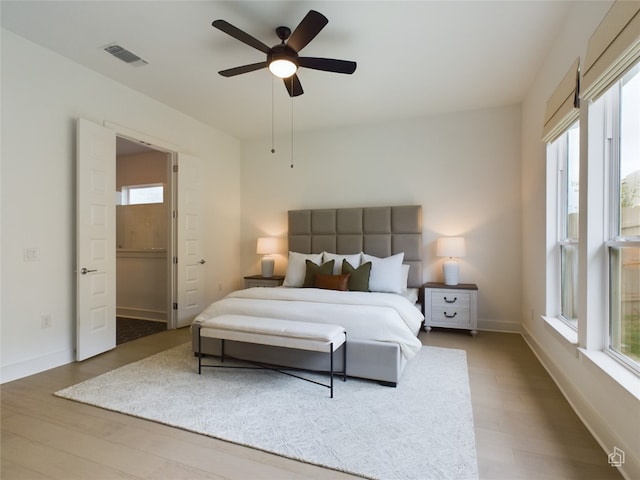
(328, 64)
(306, 31)
(232, 72)
(238, 34)
(293, 86)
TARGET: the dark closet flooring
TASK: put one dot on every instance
(128, 329)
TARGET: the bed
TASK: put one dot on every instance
(382, 324)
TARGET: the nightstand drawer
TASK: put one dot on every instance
(450, 316)
(260, 281)
(449, 299)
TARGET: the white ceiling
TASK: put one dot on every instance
(414, 58)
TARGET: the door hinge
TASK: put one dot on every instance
(175, 215)
(175, 169)
(175, 306)
(175, 260)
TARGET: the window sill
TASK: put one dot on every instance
(562, 331)
(620, 374)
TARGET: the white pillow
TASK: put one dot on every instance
(405, 277)
(297, 267)
(386, 273)
(354, 260)
(411, 294)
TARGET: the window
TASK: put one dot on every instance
(622, 152)
(561, 133)
(141, 194)
(593, 276)
(566, 152)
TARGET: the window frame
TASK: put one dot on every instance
(558, 237)
(612, 105)
(125, 193)
(625, 360)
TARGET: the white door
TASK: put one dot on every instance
(96, 238)
(191, 262)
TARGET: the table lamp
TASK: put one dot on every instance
(267, 246)
(452, 247)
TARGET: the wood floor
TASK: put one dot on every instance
(524, 427)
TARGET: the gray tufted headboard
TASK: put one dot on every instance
(378, 231)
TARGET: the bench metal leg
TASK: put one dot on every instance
(344, 362)
(331, 347)
(344, 359)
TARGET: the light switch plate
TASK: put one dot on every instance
(31, 254)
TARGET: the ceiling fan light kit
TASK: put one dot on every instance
(282, 68)
(283, 59)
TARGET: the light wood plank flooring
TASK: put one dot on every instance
(524, 427)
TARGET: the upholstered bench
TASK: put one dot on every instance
(317, 337)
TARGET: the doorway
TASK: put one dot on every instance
(96, 245)
(143, 240)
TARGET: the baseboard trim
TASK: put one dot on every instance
(142, 314)
(15, 371)
(498, 326)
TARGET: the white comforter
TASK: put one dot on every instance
(385, 317)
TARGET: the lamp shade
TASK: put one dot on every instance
(267, 245)
(450, 247)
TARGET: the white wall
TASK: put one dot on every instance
(609, 411)
(463, 168)
(42, 95)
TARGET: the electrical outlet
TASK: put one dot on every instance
(31, 254)
(45, 320)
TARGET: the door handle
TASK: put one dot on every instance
(202, 262)
(84, 271)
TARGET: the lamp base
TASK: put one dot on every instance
(450, 270)
(267, 266)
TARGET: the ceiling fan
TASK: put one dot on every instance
(283, 59)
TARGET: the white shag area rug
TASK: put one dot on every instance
(422, 429)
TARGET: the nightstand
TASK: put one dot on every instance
(451, 306)
(260, 281)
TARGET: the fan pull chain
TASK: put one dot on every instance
(273, 121)
(292, 123)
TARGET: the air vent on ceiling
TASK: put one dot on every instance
(125, 55)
